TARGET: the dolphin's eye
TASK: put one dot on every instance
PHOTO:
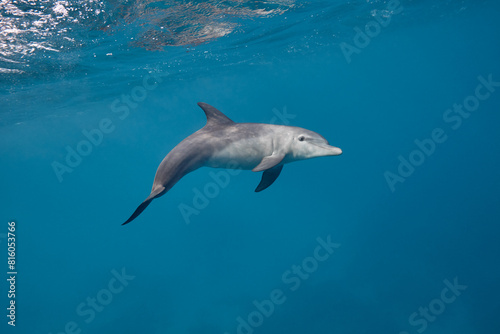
(301, 138)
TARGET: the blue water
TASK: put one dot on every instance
(397, 235)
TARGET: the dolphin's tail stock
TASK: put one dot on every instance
(145, 204)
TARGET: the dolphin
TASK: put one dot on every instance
(222, 143)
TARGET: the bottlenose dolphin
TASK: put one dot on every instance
(222, 143)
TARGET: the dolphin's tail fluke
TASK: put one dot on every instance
(145, 204)
(138, 211)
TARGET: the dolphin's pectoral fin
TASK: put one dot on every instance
(145, 204)
(269, 162)
(268, 177)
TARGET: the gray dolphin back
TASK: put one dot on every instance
(184, 158)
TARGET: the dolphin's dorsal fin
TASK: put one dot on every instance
(214, 116)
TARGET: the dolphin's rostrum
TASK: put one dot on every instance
(222, 143)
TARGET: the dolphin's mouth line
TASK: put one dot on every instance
(333, 149)
(327, 146)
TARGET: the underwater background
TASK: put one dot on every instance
(399, 234)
